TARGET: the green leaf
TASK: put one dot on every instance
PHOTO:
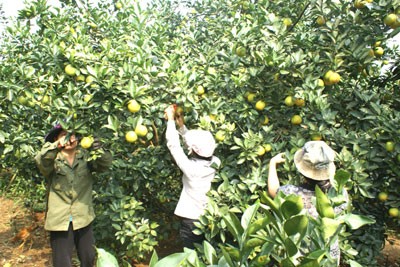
(287, 263)
(175, 260)
(105, 259)
(341, 177)
(233, 224)
(291, 247)
(265, 199)
(329, 227)
(354, 263)
(92, 71)
(229, 254)
(309, 263)
(355, 221)
(154, 259)
(209, 253)
(292, 205)
(248, 215)
(314, 256)
(296, 225)
(323, 204)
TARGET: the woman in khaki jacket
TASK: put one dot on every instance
(70, 211)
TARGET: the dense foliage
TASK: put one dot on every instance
(263, 76)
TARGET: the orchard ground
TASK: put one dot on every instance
(38, 253)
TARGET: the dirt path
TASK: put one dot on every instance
(36, 251)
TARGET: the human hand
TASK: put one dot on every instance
(61, 142)
(67, 140)
(97, 144)
(169, 113)
(279, 158)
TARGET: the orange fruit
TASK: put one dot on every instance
(86, 142)
(133, 106)
(296, 120)
(131, 137)
(260, 105)
(141, 130)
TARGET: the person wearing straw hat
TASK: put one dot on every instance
(70, 212)
(315, 161)
(198, 168)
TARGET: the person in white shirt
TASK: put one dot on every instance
(198, 167)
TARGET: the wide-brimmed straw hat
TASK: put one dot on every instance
(315, 161)
(54, 132)
(201, 142)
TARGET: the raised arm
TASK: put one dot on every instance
(273, 180)
(173, 143)
(102, 163)
(45, 158)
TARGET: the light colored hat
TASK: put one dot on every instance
(201, 142)
(315, 161)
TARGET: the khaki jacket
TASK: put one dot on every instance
(70, 188)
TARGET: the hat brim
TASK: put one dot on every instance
(52, 135)
(314, 174)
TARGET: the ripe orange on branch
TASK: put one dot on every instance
(296, 120)
(133, 106)
(87, 142)
(141, 130)
(131, 137)
(331, 77)
(70, 70)
(260, 105)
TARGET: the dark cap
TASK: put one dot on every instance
(51, 136)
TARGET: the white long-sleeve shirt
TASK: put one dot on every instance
(197, 175)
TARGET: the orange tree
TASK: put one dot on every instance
(231, 66)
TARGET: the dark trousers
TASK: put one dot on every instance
(187, 235)
(63, 242)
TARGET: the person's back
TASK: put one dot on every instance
(198, 170)
(315, 162)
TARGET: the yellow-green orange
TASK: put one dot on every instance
(200, 90)
(393, 212)
(289, 101)
(141, 130)
(390, 19)
(267, 147)
(87, 98)
(131, 137)
(331, 77)
(316, 137)
(299, 102)
(260, 105)
(220, 136)
(321, 20)
(359, 4)
(241, 51)
(86, 142)
(378, 51)
(265, 120)
(296, 120)
(389, 146)
(70, 70)
(260, 150)
(287, 22)
(251, 97)
(382, 196)
(90, 79)
(133, 106)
